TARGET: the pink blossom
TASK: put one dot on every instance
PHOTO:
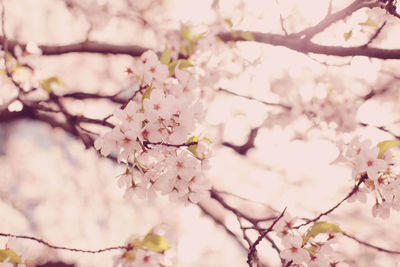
(381, 210)
(293, 249)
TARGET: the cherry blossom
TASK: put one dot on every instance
(284, 225)
(166, 110)
(293, 249)
(381, 210)
(367, 161)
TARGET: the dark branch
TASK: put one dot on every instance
(252, 249)
(82, 96)
(47, 244)
(306, 46)
(352, 192)
(330, 19)
(83, 47)
(243, 149)
(221, 223)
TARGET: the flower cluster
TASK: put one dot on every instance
(313, 249)
(153, 134)
(376, 167)
(151, 250)
(339, 113)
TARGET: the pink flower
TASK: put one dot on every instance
(156, 106)
(293, 250)
(146, 258)
(360, 195)
(356, 147)
(367, 161)
(381, 210)
(283, 226)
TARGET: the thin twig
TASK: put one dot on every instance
(252, 249)
(255, 99)
(352, 192)
(47, 244)
(370, 245)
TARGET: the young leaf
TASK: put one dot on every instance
(197, 37)
(347, 35)
(185, 33)
(166, 56)
(208, 140)
(247, 36)
(47, 83)
(193, 148)
(368, 22)
(11, 255)
(385, 145)
(229, 22)
(145, 95)
(321, 228)
(155, 243)
(183, 63)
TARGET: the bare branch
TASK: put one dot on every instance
(370, 245)
(221, 223)
(243, 149)
(376, 34)
(306, 46)
(83, 47)
(352, 192)
(252, 249)
(255, 99)
(331, 18)
(82, 96)
(47, 244)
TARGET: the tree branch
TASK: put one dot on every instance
(255, 99)
(82, 47)
(352, 192)
(331, 18)
(370, 245)
(306, 46)
(243, 149)
(252, 249)
(47, 244)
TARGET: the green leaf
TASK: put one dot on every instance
(385, 145)
(347, 35)
(166, 56)
(185, 33)
(145, 95)
(193, 148)
(11, 255)
(229, 22)
(247, 36)
(155, 243)
(321, 228)
(47, 83)
(197, 37)
(130, 256)
(368, 22)
(183, 63)
(208, 140)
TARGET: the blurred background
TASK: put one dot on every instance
(274, 115)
